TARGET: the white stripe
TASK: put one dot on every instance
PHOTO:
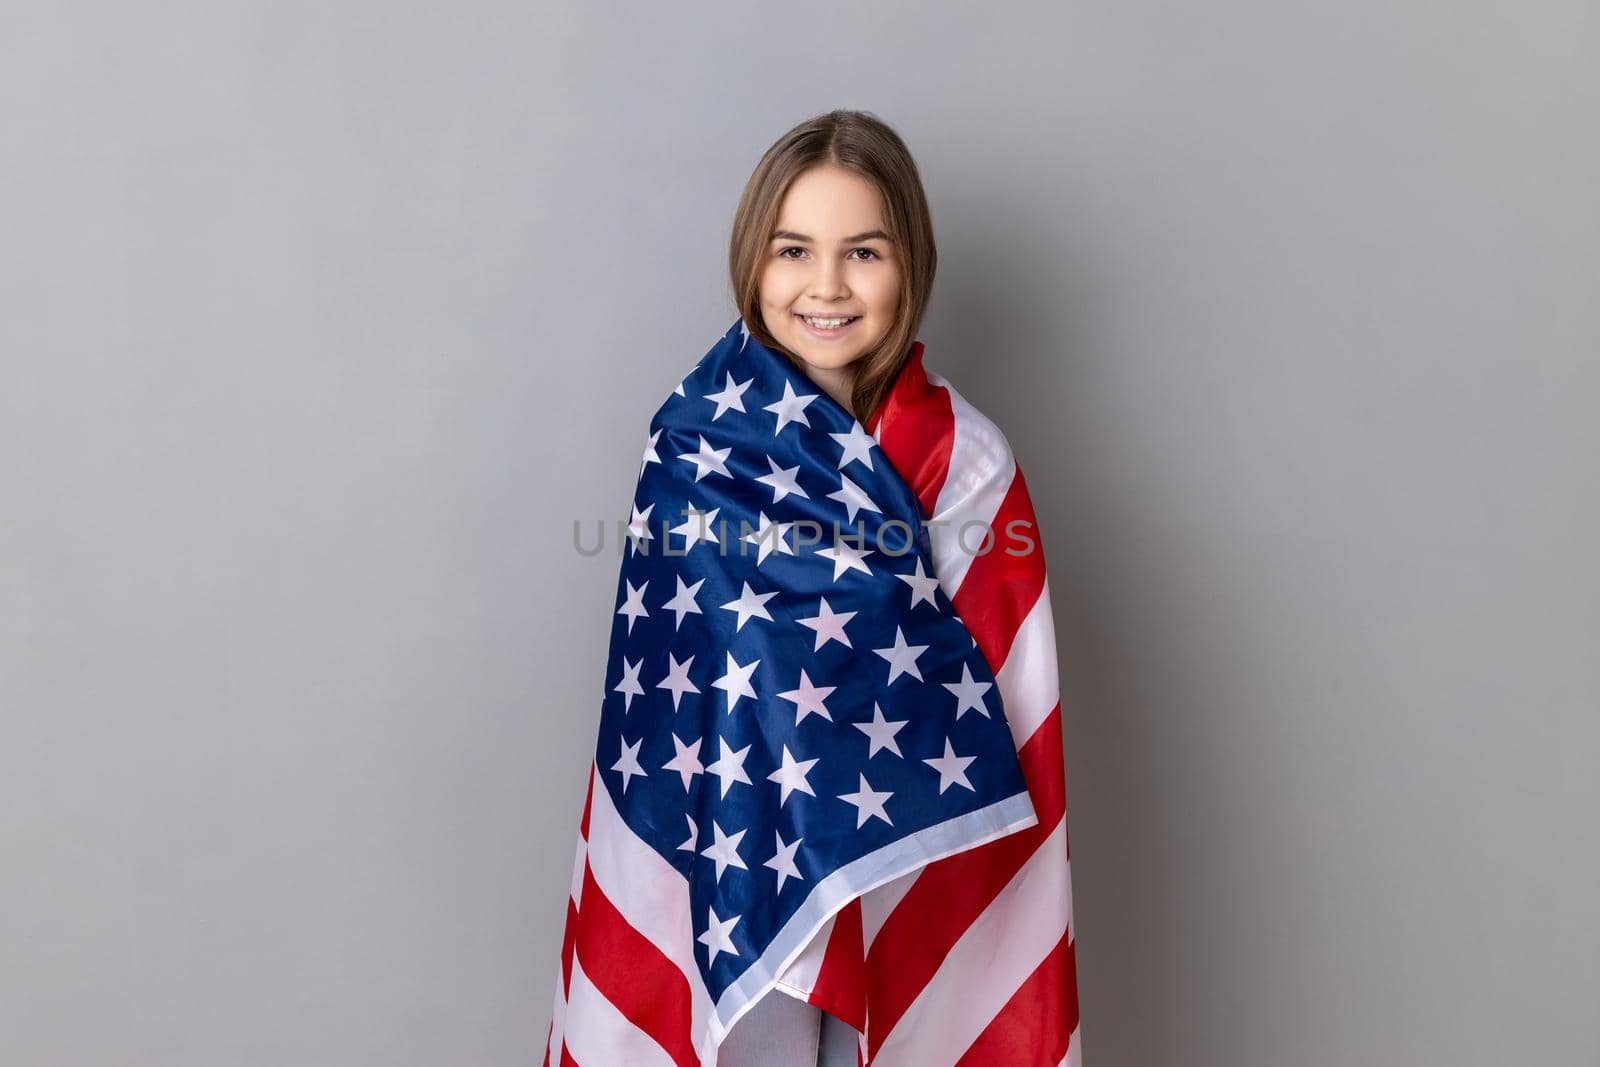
(651, 895)
(1002, 948)
(1074, 1057)
(980, 472)
(989, 962)
(877, 905)
(598, 1033)
(1030, 688)
(801, 975)
(558, 1011)
(558, 1019)
(579, 857)
(860, 876)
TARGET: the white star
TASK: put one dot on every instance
(749, 603)
(633, 605)
(629, 687)
(808, 698)
(951, 767)
(969, 693)
(857, 444)
(696, 526)
(716, 938)
(687, 764)
(791, 408)
(829, 625)
(724, 851)
(730, 397)
(650, 452)
(882, 732)
(694, 832)
(729, 767)
(791, 776)
(922, 586)
(736, 682)
(846, 557)
(868, 803)
(783, 860)
(628, 762)
(853, 497)
(902, 657)
(708, 460)
(682, 602)
(769, 535)
(783, 481)
(639, 528)
(677, 679)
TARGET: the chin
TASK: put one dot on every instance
(829, 360)
(818, 354)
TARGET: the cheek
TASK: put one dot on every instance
(884, 291)
(771, 290)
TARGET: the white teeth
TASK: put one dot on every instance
(827, 324)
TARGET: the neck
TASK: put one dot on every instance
(835, 381)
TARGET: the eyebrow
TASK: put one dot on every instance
(790, 235)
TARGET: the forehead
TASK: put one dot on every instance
(827, 202)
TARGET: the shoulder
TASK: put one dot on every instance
(982, 489)
(980, 454)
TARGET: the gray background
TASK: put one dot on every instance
(321, 322)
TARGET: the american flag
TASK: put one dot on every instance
(829, 755)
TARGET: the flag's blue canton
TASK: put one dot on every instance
(773, 714)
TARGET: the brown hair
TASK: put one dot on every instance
(861, 142)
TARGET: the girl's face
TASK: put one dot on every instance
(830, 258)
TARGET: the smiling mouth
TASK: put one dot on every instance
(811, 327)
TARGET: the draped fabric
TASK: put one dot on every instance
(829, 755)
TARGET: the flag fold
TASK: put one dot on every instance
(828, 760)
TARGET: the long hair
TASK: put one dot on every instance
(860, 142)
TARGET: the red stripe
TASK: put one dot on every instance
(950, 894)
(916, 429)
(566, 1057)
(1036, 1025)
(915, 426)
(568, 941)
(588, 798)
(570, 932)
(631, 972)
(999, 589)
(548, 1032)
(996, 595)
(841, 986)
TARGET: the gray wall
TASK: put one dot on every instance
(321, 322)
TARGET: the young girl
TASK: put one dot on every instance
(840, 296)
(947, 939)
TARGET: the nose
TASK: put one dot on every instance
(827, 281)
